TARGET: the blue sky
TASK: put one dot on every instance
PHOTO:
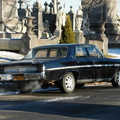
(119, 7)
(68, 3)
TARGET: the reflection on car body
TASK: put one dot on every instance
(64, 65)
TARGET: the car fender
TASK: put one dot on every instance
(75, 73)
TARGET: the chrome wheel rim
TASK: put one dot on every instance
(69, 82)
(118, 77)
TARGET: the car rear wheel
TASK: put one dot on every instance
(67, 83)
(116, 80)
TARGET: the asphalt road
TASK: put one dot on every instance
(90, 103)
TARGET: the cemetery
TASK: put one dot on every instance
(22, 28)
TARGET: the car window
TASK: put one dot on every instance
(58, 52)
(93, 52)
(80, 52)
(46, 53)
(41, 53)
(54, 53)
(64, 51)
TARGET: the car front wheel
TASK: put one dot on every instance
(116, 80)
(67, 83)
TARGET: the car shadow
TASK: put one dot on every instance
(69, 109)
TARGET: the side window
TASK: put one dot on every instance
(93, 52)
(63, 51)
(41, 53)
(80, 52)
(54, 53)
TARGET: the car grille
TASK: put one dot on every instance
(19, 69)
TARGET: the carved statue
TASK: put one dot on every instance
(46, 26)
(79, 18)
(86, 24)
(59, 19)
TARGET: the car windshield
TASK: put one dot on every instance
(47, 53)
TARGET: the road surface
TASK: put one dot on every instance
(89, 103)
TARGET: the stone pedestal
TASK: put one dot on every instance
(57, 33)
(79, 36)
(104, 40)
(113, 33)
(28, 42)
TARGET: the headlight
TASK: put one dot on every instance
(41, 68)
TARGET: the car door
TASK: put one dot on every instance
(102, 66)
(85, 65)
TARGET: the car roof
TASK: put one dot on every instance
(62, 45)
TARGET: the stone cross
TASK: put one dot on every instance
(51, 7)
(20, 2)
(46, 7)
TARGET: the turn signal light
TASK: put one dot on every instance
(20, 77)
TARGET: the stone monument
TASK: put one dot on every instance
(86, 24)
(38, 14)
(60, 20)
(72, 17)
(112, 28)
(55, 6)
(10, 26)
(79, 35)
(79, 18)
(105, 13)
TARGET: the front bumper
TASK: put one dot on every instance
(20, 77)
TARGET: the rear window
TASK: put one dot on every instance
(46, 53)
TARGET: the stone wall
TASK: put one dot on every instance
(10, 44)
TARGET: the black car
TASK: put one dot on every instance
(63, 65)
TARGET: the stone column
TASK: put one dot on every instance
(111, 11)
(55, 6)
(112, 28)
(40, 20)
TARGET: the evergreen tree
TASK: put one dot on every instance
(67, 35)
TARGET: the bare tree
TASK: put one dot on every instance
(89, 4)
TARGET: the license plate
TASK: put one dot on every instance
(19, 77)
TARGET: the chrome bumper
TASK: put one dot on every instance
(25, 76)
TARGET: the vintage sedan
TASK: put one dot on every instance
(62, 65)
